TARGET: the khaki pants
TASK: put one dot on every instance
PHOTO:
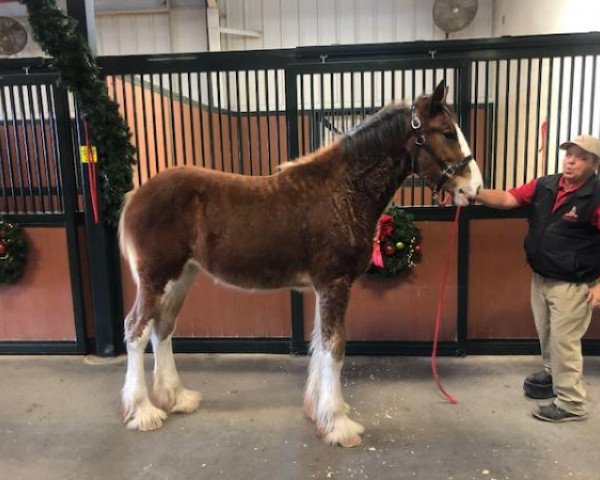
(562, 316)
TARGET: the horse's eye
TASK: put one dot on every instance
(450, 135)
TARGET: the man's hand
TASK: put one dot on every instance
(497, 199)
(593, 297)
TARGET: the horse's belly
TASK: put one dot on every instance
(260, 279)
(254, 262)
(256, 282)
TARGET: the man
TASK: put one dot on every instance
(563, 249)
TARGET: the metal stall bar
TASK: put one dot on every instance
(297, 344)
(230, 120)
(42, 106)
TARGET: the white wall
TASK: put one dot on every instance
(542, 17)
(281, 24)
(291, 23)
(179, 29)
(182, 28)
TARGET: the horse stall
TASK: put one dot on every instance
(516, 100)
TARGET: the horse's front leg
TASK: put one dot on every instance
(313, 384)
(333, 424)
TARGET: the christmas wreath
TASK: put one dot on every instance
(396, 245)
(13, 250)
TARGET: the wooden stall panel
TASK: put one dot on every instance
(403, 309)
(215, 311)
(594, 330)
(499, 282)
(40, 305)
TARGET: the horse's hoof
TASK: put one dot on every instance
(186, 401)
(350, 441)
(357, 427)
(347, 440)
(146, 418)
(346, 433)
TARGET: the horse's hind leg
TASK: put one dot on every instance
(168, 392)
(333, 424)
(138, 412)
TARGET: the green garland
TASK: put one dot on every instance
(57, 34)
(396, 244)
(13, 251)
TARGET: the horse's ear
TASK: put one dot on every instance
(438, 97)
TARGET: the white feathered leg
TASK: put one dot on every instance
(311, 392)
(168, 390)
(138, 412)
(333, 424)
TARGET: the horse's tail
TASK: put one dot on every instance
(125, 244)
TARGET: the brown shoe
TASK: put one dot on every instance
(555, 414)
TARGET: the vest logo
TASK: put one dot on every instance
(571, 216)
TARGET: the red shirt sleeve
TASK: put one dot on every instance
(525, 193)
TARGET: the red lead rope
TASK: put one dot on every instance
(544, 146)
(92, 174)
(438, 315)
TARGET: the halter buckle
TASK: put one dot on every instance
(415, 122)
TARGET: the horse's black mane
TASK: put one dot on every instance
(384, 133)
(378, 133)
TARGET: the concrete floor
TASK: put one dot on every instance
(59, 419)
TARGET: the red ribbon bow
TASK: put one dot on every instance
(384, 230)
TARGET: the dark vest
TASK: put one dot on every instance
(564, 245)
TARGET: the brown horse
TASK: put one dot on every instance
(310, 225)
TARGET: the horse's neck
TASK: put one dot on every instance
(365, 186)
(375, 184)
(377, 160)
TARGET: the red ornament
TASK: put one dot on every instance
(2, 248)
(389, 249)
(418, 248)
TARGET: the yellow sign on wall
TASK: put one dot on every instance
(83, 154)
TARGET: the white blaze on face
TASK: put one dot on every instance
(467, 187)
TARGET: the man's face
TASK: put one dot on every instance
(578, 164)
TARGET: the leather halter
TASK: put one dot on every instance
(449, 170)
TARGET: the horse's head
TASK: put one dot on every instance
(440, 153)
